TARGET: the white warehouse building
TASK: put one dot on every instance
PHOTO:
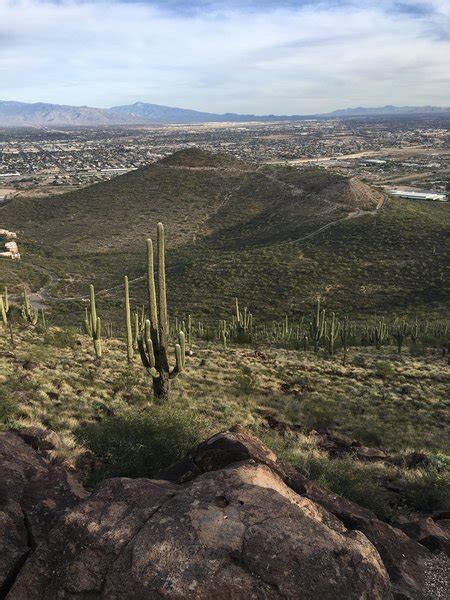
(419, 195)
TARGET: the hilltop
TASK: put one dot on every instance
(275, 236)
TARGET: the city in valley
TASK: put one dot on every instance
(401, 154)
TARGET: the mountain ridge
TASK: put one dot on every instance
(17, 114)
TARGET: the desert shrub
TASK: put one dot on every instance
(359, 361)
(319, 414)
(384, 370)
(8, 407)
(125, 381)
(369, 432)
(358, 483)
(245, 381)
(427, 490)
(140, 443)
(418, 349)
(355, 481)
(62, 338)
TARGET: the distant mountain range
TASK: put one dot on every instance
(17, 114)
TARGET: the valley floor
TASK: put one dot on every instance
(375, 430)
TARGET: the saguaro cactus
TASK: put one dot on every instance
(29, 313)
(130, 351)
(345, 336)
(333, 332)
(153, 341)
(93, 324)
(380, 333)
(317, 326)
(400, 332)
(4, 306)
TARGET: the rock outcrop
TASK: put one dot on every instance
(230, 521)
(237, 533)
(33, 495)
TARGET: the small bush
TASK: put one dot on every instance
(8, 407)
(418, 349)
(384, 370)
(245, 381)
(357, 483)
(427, 491)
(62, 338)
(359, 361)
(370, 433)
(319, 414)
(125, 381)
(140, 443)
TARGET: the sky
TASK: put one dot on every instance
(247, 56)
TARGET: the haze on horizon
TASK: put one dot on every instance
(265, 56)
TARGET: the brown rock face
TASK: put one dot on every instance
(228, 522)
(407, 561)
(33, 494)
(235, 533)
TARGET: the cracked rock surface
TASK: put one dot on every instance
(33, 495)
(238, 532)
(228, 522)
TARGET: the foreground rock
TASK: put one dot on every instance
(410, 564)
(239, 532)
(33, 495)
(229, 521)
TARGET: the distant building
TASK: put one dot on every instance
(11, 249)
(418, 195)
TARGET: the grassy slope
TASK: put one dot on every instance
(233, 231)
(397, 404)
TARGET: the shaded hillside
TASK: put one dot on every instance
(274, 236)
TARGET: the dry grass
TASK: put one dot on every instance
(398, 404)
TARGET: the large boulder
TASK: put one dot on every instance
(33, 495)
(233, 533)
(408, 562)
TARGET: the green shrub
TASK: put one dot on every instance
(384, 370)
(427, 491)
(359, 361)
(62, 338)
(140, 443)
(358, 483)
(319, 414)
(369, 432)
(245, 381)
(8, 407)
(418, 349)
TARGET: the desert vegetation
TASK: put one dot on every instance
(357, 404)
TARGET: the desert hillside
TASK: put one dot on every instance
(277, 237)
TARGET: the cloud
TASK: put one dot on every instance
(265, 56)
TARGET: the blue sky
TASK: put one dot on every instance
(265, 56)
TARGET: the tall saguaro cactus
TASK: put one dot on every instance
(29, 313)
(93, 324)
(153, 341)
(317, 326)
(4, 307)
(130, 351)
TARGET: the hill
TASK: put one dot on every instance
(16, 114)
(276, 237)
